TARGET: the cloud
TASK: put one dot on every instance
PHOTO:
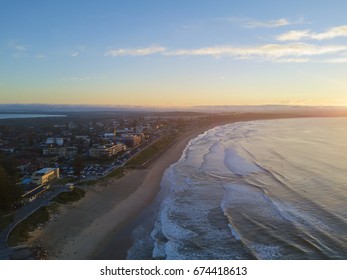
(291, 52)
(74, 54)
(298, 52)
(20, 48)
(41, 56)
(136, 52)
(338, 31)
(16, 47)
(253, 23)
(269, 24)
(296, 35)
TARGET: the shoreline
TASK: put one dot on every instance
(83, 228)
(110, 210)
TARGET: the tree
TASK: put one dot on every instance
(9, 192)
(78, 164)
(9, 164)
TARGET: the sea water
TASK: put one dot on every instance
(27, 116)
(273, 189)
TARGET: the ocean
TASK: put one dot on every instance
(274, 189)
(26, 116)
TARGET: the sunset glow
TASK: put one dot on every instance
(180, 53)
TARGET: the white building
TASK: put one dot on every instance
(45, 175)
(106, 150)
(56, 141)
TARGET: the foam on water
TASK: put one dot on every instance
(239, 165)
(241, 191)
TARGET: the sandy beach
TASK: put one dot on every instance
(86, 229)
(83, 227)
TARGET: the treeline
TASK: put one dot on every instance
(10, 193)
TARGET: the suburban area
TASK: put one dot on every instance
(58, 158)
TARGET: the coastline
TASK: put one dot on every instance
(83, 227)
(86, 229)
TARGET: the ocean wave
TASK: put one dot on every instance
(254, 190)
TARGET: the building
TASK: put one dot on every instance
(61, 152)
(55, 141)
(109, 136)
(55, 151)
(106, 150)
(23, 165)
(33, 193)
(132, 140)
(45, 175)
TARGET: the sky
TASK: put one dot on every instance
(174, 52)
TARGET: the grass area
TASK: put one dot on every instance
(117, 173)
(87, 183)
(151, 150)
(5, 220)
(21, 232)
(71, 196)
(53, 208)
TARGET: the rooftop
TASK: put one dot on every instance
(44, 170)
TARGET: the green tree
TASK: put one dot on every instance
(78, 165)
(9, 192)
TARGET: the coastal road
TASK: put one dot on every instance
(24, 212)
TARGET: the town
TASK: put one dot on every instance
(49, 161)
(78, 148)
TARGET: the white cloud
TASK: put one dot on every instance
(264, 52)
(135, 52)
(269, 24)
(41, 56)
(74, 54)
(253, 23)
(296, 35)
(278, 53)
(16, 47)
(338, 31)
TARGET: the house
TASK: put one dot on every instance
(45, 175)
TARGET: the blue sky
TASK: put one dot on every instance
(173, 53)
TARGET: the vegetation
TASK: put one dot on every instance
(9, 192)
(21, 232)
(5, 220)
(71, 196)
(149, 152)
(117, 173)
(78, 165)
(87, 183)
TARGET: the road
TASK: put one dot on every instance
(24, 212)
